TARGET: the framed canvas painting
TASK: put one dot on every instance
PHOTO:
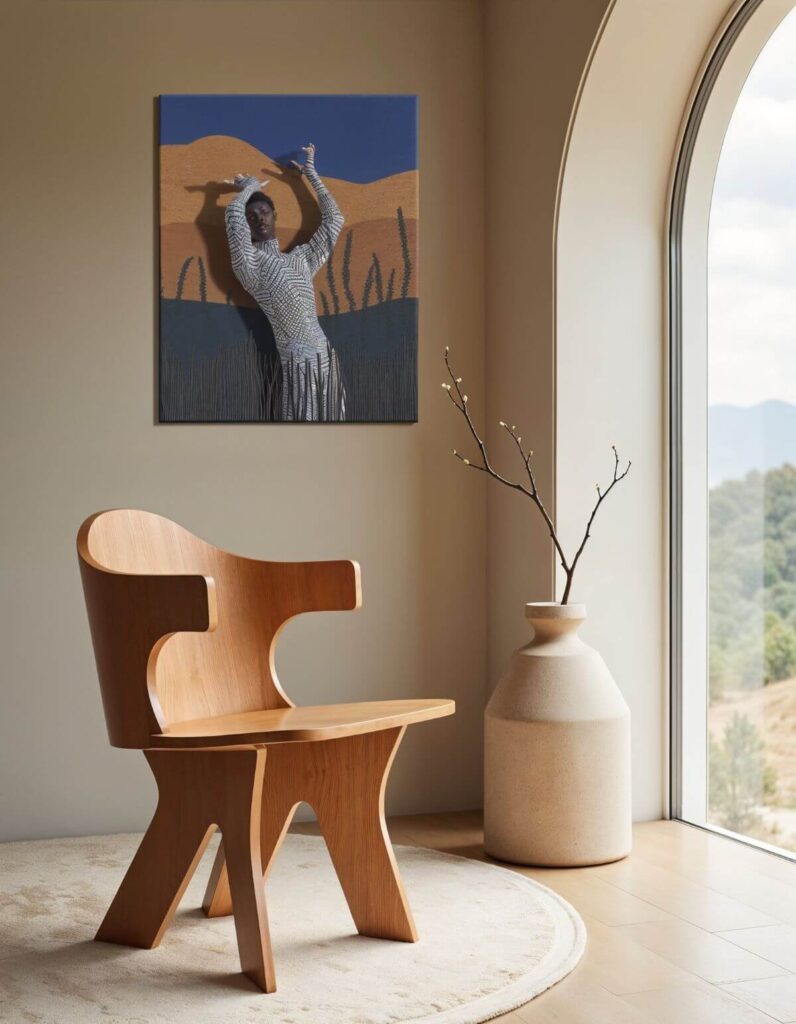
(288, 259)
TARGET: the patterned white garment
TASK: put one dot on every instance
(281, 283)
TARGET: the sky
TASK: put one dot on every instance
(357, 138)
(752, 243)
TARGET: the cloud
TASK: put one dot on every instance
(753, 238)
(774, 72)
(752, 243)
(752, 351)
(759, 153)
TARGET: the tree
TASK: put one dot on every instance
(780, 650)
(739, 777)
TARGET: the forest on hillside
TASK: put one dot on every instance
(753, 580)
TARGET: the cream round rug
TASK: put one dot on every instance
(490, 940)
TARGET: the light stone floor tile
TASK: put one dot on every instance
(775, 996)
(691, 1004)
(709, 957)
(776, 943)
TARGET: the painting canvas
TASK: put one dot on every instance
(288, 258)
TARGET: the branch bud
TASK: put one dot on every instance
(466, 462)
(464, 398)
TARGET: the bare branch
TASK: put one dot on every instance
(601, 496)
(461, 405)
(526, 458)
(460, 400)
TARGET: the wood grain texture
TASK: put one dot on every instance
(184, 636)
(344, 781)
(198, 791)
(324, 722)
(131, 618)
(190, 674)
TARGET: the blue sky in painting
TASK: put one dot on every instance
(358, 138)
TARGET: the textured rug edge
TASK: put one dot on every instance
(557, 962)
(527, 988)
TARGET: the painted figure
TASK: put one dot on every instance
(281, 284)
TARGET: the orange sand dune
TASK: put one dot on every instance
(191, 186)
(179, 242)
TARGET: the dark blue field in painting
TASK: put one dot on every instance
(218, 363)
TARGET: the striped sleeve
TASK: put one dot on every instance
(242, 252)
(319, 248)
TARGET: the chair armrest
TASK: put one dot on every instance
(291, 588)
(131, 616)
(323, 586)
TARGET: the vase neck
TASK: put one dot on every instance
(553, 621)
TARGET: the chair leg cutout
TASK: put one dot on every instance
(198, 790)
(344, 780)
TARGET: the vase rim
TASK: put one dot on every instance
(555, 610)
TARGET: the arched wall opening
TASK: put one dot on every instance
(612, 351)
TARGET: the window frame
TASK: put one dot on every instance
(735, 48)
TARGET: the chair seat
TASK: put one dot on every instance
(284, 725)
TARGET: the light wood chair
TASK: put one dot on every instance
(184, 637)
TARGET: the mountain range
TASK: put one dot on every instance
(743, 438)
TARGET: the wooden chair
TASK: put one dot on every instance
(184, 637)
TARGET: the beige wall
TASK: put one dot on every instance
(78, 356)
(536, 55)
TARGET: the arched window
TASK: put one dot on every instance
(733, 335)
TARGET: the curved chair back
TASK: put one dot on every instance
(183, 630)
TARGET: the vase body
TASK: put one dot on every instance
(557, 751)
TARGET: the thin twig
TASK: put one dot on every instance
(601, 496)
(459, 399)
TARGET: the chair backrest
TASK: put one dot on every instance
(183, 630)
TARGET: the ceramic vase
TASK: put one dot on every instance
(557, 751)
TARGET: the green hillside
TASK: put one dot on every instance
(753, 580)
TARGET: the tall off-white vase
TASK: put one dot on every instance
(557, 755)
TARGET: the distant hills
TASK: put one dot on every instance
(742, 438)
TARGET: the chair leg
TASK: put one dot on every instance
(217, 900)
(163, 866)
(350, 810)
(198, 790)
(344, 780)
(240, 828)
